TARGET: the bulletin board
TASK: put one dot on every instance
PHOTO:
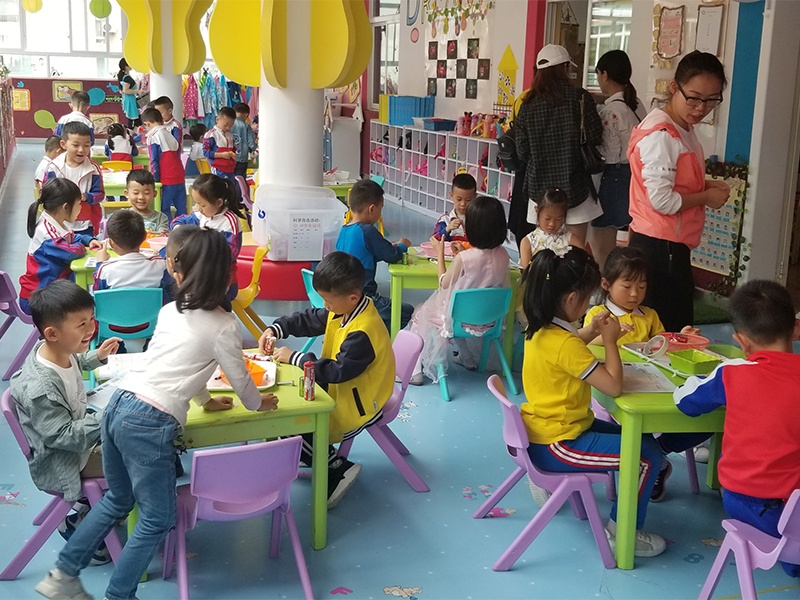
(719, 249)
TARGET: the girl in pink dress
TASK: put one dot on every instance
(484, 265)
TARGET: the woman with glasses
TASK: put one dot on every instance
(669, 192)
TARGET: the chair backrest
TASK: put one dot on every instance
(128, 313)
(379, 179)
(10, 413)
(239, 482)
(514, 434)
(483, 307)
(118, 165)
(407, 347)
(789, 528)
(245, 190)
(8, 299)
(246, 295)
(202, 166)
(313, 296)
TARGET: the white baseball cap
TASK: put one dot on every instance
(552, 55)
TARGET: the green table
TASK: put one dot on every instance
(141, 159)
(649, 413)
(342, 190)
(83, 274)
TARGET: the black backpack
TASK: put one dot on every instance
(507, 157)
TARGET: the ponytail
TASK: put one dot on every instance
(55, 193)
(629, 95)
(213, 187)
(233, 198)
(122, 65)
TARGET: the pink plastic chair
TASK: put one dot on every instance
(235, 483)
(753, 549)
(56, 510)
(407, 347)
(10, 306)
(575, 487)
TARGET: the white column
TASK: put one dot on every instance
(167, 83)
(290, 119)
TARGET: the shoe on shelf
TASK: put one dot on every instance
(342, 474)
(58, 586)
(540, 495)
(647, 544)
(701, 454)
(100, 556)
(660, 486)
(416, 379)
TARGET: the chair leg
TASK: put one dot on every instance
(512, 386)
(308, 344)
(443, 384)
(94, 494)
(344, 447)
(716, 570)
(275, 534)
(484, 355)
(598, 527)
(744, 569)
(401, 448)
(22, 354)
(169, 555)
(47, 510)
(180, 555)
(578, 508)
(499, 493)
(378, 434)
(7, 323)
(255, 318)
(241, 313)
(297, 548)
(691, 468)
(611, 487)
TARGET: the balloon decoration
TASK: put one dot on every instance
(32, 6)
(100, 8)
(45, 119)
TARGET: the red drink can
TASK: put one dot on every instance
(269, 345)
(308, 380)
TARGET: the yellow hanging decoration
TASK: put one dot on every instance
(238, 65)
(341, 42)
(274, 42)
(31, 6)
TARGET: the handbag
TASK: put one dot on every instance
(507, 156)
(593, 161)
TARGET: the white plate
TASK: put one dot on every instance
(217, 384)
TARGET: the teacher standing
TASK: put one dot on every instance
(669, 192)
(127, 87)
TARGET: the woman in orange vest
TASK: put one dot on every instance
(669, 192)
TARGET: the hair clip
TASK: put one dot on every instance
(547, 277)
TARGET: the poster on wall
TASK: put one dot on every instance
(719, 242)
(63, 90)
(21, 99)
(102, 121)
(670, 32)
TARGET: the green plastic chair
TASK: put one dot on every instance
(481, 307)
(314, 298)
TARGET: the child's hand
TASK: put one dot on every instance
(108, 346)
(624, 329)
(262, 341)
(691, 330)
(83, 197)
(453, 224)
(282, 354)
(98, 245)
(609, 329)
(405, 241)
(268, 402)
(231, 155)
(595, 323)
(102, 253)
(218, 403)
(457, 247)
(437, 245)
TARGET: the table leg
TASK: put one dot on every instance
(83, 279)
(319, 483)
(714, 451)
(396, 296)
(628, 493)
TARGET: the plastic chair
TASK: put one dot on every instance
(316, 302)
(118, 165)
(407, 347)
(481, 307)
(56, 510)
(203, 166)
(241, 304)
(231, 484)
(753, 549)
(10, 307)
(575, 487)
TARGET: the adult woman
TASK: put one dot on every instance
(127, 87)
(669, 192)
(548, 131)
(621, 112)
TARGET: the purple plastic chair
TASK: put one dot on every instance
(575, 487)
(407, 347)
(753, 549)
(235, 483)
(56, 510)
(10, 306)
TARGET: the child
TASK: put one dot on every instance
(196, 132)
(53, 244)
(357, 364)
(484, 265)
(51, 398)
(219, 147)
(218, 206)
(243, 137)
(120, 145)
(165, 163)
(558, 373)
(79, 103)
(76, 165)
(165, 106)
(450, 227)
(52, 148)
(760, 463)
(551, 229)
(363, 241)
(140, 189)
(144, 417)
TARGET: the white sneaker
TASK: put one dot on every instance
(701, 454)
(540, 495)
(416, 379)
(463, 362)
(59, 586)
(647, 544)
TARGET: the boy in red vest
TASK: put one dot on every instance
(219, 146)
(165, 163)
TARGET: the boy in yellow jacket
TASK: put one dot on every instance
(357, 365)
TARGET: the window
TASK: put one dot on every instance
(610, 29)
(385, 66)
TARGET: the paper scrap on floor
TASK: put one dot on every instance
(640, 378)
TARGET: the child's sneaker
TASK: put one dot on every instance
(342, 474)
(100, 556)
(70, 523)
(660, 486)
(647, 544)
(701, 454)
(58, 586)
(462, 361)
(540, 495)
(416, 379)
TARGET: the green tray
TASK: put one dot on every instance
(726, 350)
(693, 362)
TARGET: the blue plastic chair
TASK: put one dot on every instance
(314, 298)
(482, 307)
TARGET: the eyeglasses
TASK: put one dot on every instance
(694, 102)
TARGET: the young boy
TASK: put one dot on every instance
(760, 463)
(365, 242)
(140, 189)
(243, 137)
(165, 163)
(52, 148)
(76, 165)
(165, 106)
(196, 132)
(51, 397)
(357, 365)
(79, 103)
(451, 226)
(219, 147)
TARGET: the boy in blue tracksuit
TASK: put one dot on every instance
(165, 163)
(243, 137)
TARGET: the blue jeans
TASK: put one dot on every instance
(139, 465)
(597, 449)
(173, 195)
(384, 307)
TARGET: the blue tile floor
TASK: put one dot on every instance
(385, 540)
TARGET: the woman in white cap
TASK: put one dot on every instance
(548, 133)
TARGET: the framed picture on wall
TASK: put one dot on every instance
(450, 88)
(62, 90)
(433, 50)
(432, 86)
(102, 121)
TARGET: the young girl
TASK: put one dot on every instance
(144, 416)
(120, 145)
(484, 265)
(551, 230)
(558, 373)
(218, 206)
(53, 243)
